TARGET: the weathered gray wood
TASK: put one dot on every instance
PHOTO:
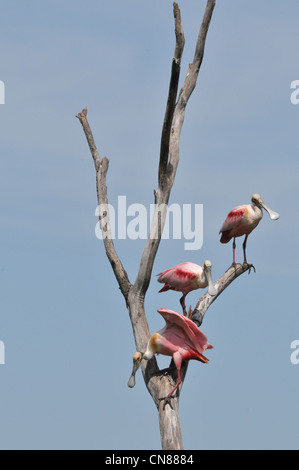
(101, 166)
(169, 422)
(172, 96)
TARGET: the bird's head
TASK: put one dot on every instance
(207, 265)
(137, 356)
(257, 200)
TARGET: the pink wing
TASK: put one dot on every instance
(195, 335)
(233, 219)
(180, 275)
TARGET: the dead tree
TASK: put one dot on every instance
(134, 293)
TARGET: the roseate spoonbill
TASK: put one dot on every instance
(242, 220)
(186, 277)
(181, 339)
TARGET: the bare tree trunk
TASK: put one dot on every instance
(134, 294)
(170, 428)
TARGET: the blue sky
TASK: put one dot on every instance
(67, 336)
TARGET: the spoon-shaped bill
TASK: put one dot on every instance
(273, 215)
(136, 363)
(131, 381)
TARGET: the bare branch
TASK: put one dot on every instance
(185, 93)
(149, 253)
(172, 94)
(89, 137)
(191, 77)
(221, 284)
(101, 166)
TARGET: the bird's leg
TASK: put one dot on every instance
(244, 251)
(250, 266)
(166, 400)
(234, 252)
(170, 395)
(177, 361)
(233, 265)
(182, 302)
(244, 248)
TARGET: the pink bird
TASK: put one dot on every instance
(186, 277)
(181, 339)
(242, 220)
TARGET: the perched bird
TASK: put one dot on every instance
(242, 220)
(181, 339)
(186, 277)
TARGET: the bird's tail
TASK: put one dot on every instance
(202, 358)
(195, 354)
(225, 237)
